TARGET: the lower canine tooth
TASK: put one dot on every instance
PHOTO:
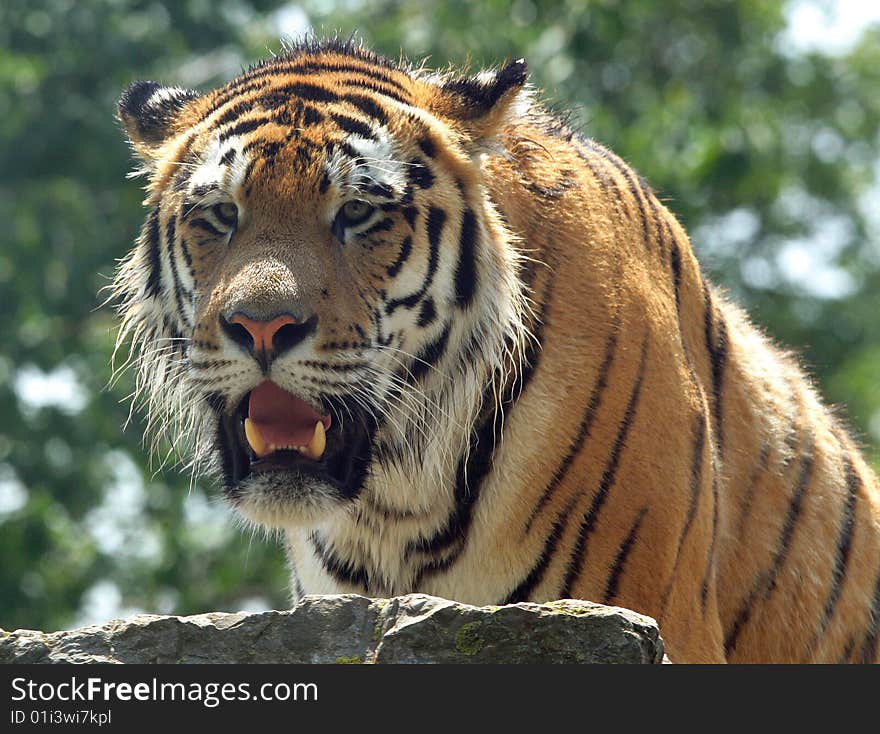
(260, 447)
(315, 449)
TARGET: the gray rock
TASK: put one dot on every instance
(354, 629)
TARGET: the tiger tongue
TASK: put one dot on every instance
(281, 418)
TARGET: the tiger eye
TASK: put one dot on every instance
(227, 213)
(356, 211)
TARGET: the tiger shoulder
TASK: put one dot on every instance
(445, 344)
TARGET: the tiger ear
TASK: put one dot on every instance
(481, 104)
(149, 112)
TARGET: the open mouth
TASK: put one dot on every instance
(274, 432)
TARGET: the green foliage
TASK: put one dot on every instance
(766, 154)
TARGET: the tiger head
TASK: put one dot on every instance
(322, 291)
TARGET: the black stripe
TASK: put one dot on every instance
(367, 106)
(675, 264)
(209, 364)
(379, 88)
(599, 173)
(273, 101)
(204, 224)
(325, 183)
(718, 363)
(353, 126)
(261, 76)
(535, 345)
(555, 190)
(343, 572)
(151, 242)
(234, 112)
(346, 148)
(187, 258)
(716, 346)
(311, 92)
(203, 190)
(607, 182)
(334, 366)
(432, 353)
(290, 112)
(470, 475)
(366, 71)
(844, 543)
(182, 178)
(171, 236)
(410, 213)
(466, 278)
(586, 424)
(436, 219)
(710, 555)
(613, 583)
(245, 127)
(524, 590)
(656, 216)
(171, 328)
(383, 191)
(752, 488)
(297, 584)
(383, 225)
(697, 461)
(405, 249)
(226, 443)
(767, 581)
(245, 83)
(420, 174)
(428, 147)
(232, 90)
(794, 510)
(249, 169)
(576, 562)
(668, 221)
(740, 621)
(407, 197)
(306, 91)
(310, 116)
(631, 183)
(868, 651)
(427, 313)
(374, 507)
(228, 157)
(268, 149)
(847, 651)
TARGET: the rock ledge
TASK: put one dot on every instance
(354, 629)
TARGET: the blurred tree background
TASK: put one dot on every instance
(757, 120)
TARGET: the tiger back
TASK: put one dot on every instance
(444, 344)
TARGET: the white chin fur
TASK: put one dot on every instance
(276, 507)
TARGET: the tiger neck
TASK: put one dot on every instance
(411, 517)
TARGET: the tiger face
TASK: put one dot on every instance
(319, 263)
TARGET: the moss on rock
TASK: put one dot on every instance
(468, 640)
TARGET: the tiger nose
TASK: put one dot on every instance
(267, 339)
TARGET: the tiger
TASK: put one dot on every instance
(437, 340)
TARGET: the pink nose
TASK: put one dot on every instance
(263, 332)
